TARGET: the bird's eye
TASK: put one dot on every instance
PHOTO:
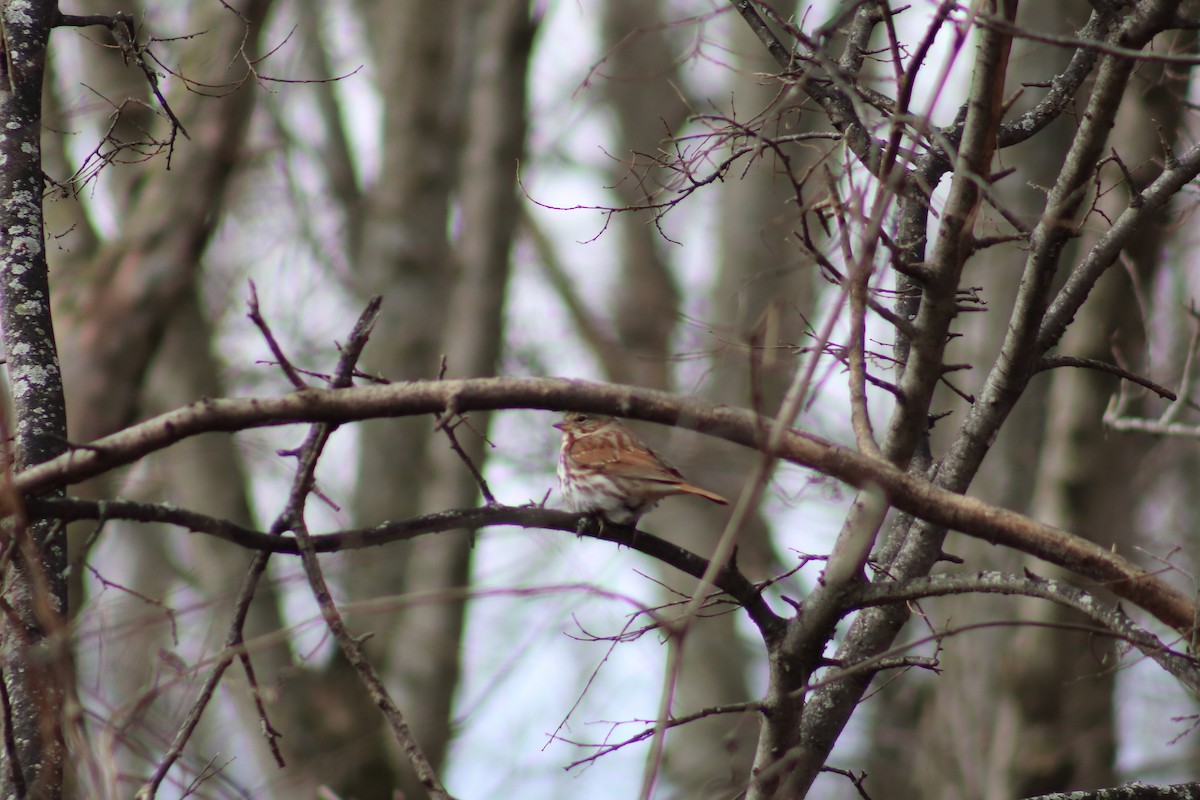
(581, 418)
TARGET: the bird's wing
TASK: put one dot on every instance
(592, 451)
(643, 463)
(640, 463)
(647, 464)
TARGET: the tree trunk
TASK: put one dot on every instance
(36, 665)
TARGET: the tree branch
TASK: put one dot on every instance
(1132, 791)
(1053, 362)
(1143, 207)
(1184, 667)
(909, 493)
(729, 580)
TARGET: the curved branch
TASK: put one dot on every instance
(1179, 172)
(1053, 362)
(1183, 667)
(1064, 88)
(906, 492)
(603, 749)
(729, 580)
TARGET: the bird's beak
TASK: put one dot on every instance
(558, 425)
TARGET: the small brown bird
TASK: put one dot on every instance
(604, 468)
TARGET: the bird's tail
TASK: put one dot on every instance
(687, 488)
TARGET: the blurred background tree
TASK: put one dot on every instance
(424, 152)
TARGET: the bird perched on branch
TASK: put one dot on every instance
(603, 468)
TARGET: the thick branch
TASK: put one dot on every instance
(906, 492)
(1132, 791)
(953, 245)
(1032, 327)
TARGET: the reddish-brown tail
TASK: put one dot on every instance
(687, 488)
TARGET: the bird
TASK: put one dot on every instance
(605, 469)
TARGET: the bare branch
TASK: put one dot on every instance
(1107, 249)
(1184, 667)
(728, 579)
(1131, 791)
(256, 317)
(122, 28)
(1052, 362)
(906, 492)
(234, 639)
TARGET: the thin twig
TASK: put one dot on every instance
(857, 288)
(292, 518)
(673, 722)
(284, 363)
(1052, 362)
(122, 29)
(484, 489)
(1189, 366)
(234, 639)
(233, 644)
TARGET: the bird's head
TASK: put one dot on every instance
(577, 423)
